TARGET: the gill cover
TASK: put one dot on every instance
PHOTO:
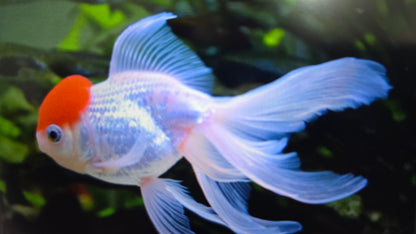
(65, 102)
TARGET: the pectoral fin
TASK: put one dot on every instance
(132, 157)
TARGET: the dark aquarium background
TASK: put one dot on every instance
(247, 43)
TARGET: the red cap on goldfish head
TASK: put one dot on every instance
(65, 102)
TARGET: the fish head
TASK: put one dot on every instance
(58, 129)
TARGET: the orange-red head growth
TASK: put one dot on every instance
(65, 102)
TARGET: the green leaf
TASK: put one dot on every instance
(13, 100)
(2, 186)
(324, 151)
(35, 198)
(71, 42)
(359, 45)
(7, 128)
(12, 151)
(273, 37)
(27, 122)
(398, 113)
(370, 38)
(382, 7)
(349, 207)
(83, 35)
(102, 14)
(106, 212)
(133, 202)
(163, 3)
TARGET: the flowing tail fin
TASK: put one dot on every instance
(302, 95)
(247, 131)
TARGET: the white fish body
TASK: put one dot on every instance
(133, 127)
(155, 109)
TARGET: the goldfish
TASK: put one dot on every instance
(155, 108)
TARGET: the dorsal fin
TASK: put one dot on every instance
(150, 46)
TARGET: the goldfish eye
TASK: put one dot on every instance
(54, 133)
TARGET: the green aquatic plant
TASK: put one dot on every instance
(350, 207)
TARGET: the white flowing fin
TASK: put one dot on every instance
(272, 172)
(149, 46)
(205, 156)
(164, 201)
(181, 194)
(165, 211)
(283, 106)
(229, 201)
(243, 128)
(202, 155)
